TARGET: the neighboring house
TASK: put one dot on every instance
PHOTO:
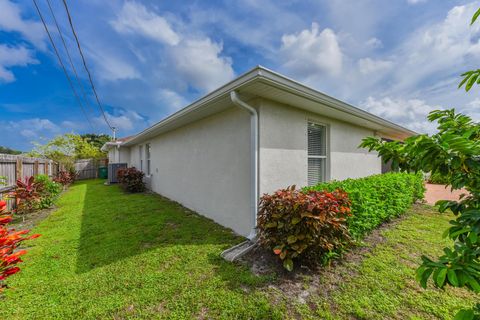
(254, 135)
(115, 153)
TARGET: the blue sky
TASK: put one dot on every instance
(397, 59)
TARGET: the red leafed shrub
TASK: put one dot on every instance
(65, 178)
(27, 195)
(303, 226)
(131, 179)
(9, 243)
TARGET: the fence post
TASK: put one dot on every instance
(35, 168)
(19, 169)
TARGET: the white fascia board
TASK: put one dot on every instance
(274, 79)
(203, 102)
(296, 87)
(110, 144)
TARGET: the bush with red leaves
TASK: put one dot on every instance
(65, 178)
(304, 226)
(131, 179)
(27, 195)
(10, 239)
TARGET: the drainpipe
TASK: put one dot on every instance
(254, 158)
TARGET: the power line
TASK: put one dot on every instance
(85, 65)
(61, 63)
(68, 54)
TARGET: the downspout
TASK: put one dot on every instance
(254, 159)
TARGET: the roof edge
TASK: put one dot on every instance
(232, 85)
(330, 101)
(262, 73)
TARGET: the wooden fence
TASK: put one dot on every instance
(88, 168)
(14, 167)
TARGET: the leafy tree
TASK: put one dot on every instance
(6, 150)
(472, 76)
(67, 148)
(97, 140)
(454, 153)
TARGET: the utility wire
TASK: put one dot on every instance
(85, 65)
(82, 89)
(61, 63)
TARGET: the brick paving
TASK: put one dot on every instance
(437, 192)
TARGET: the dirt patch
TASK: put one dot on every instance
(31, 219)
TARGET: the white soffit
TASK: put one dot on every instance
(261, 82)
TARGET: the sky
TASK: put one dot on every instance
(398, 59)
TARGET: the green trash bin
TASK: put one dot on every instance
(102, 172)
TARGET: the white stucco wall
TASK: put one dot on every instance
(124, 155)
(283, 148)
(134, 157)
(112, 155)
(119, 155)
(205, 166)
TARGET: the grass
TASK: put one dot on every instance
(383, 286)
(104, 254)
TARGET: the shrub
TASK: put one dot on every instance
(303, 225)
(438, 178)
(9, 242)
(131, 179)
(65, 178)
(49, 192)
(27, 195)
(378, 198)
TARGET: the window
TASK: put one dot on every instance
(317, 153)
(147, 157)
(140, 151)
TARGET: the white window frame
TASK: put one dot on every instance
(327, 151)
(140, 152)
(148, 154)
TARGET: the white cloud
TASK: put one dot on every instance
(437, 50)
(194, 59)
(472, 109)
(13, 57)
(122, 120)
(32, 128)
(200, 63)
(374, 43)
(135, 18)
(368, 66)
(311, 52)
(416, 1)
(171, 100)
(112, 67)
(12, 21)
(411, 113)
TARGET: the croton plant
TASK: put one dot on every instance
(305, 226)
(10, 240)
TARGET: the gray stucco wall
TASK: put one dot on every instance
(119, 155)
(205, 166)
(112, 155)
(283, 148)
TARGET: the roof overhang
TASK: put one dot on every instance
(110, 144)
(263, 83)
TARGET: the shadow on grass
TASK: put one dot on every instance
(116, 225)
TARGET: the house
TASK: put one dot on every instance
(256, 134)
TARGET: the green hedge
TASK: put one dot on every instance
(438, 178)
(378, 198)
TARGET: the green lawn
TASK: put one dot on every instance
(106, 254)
